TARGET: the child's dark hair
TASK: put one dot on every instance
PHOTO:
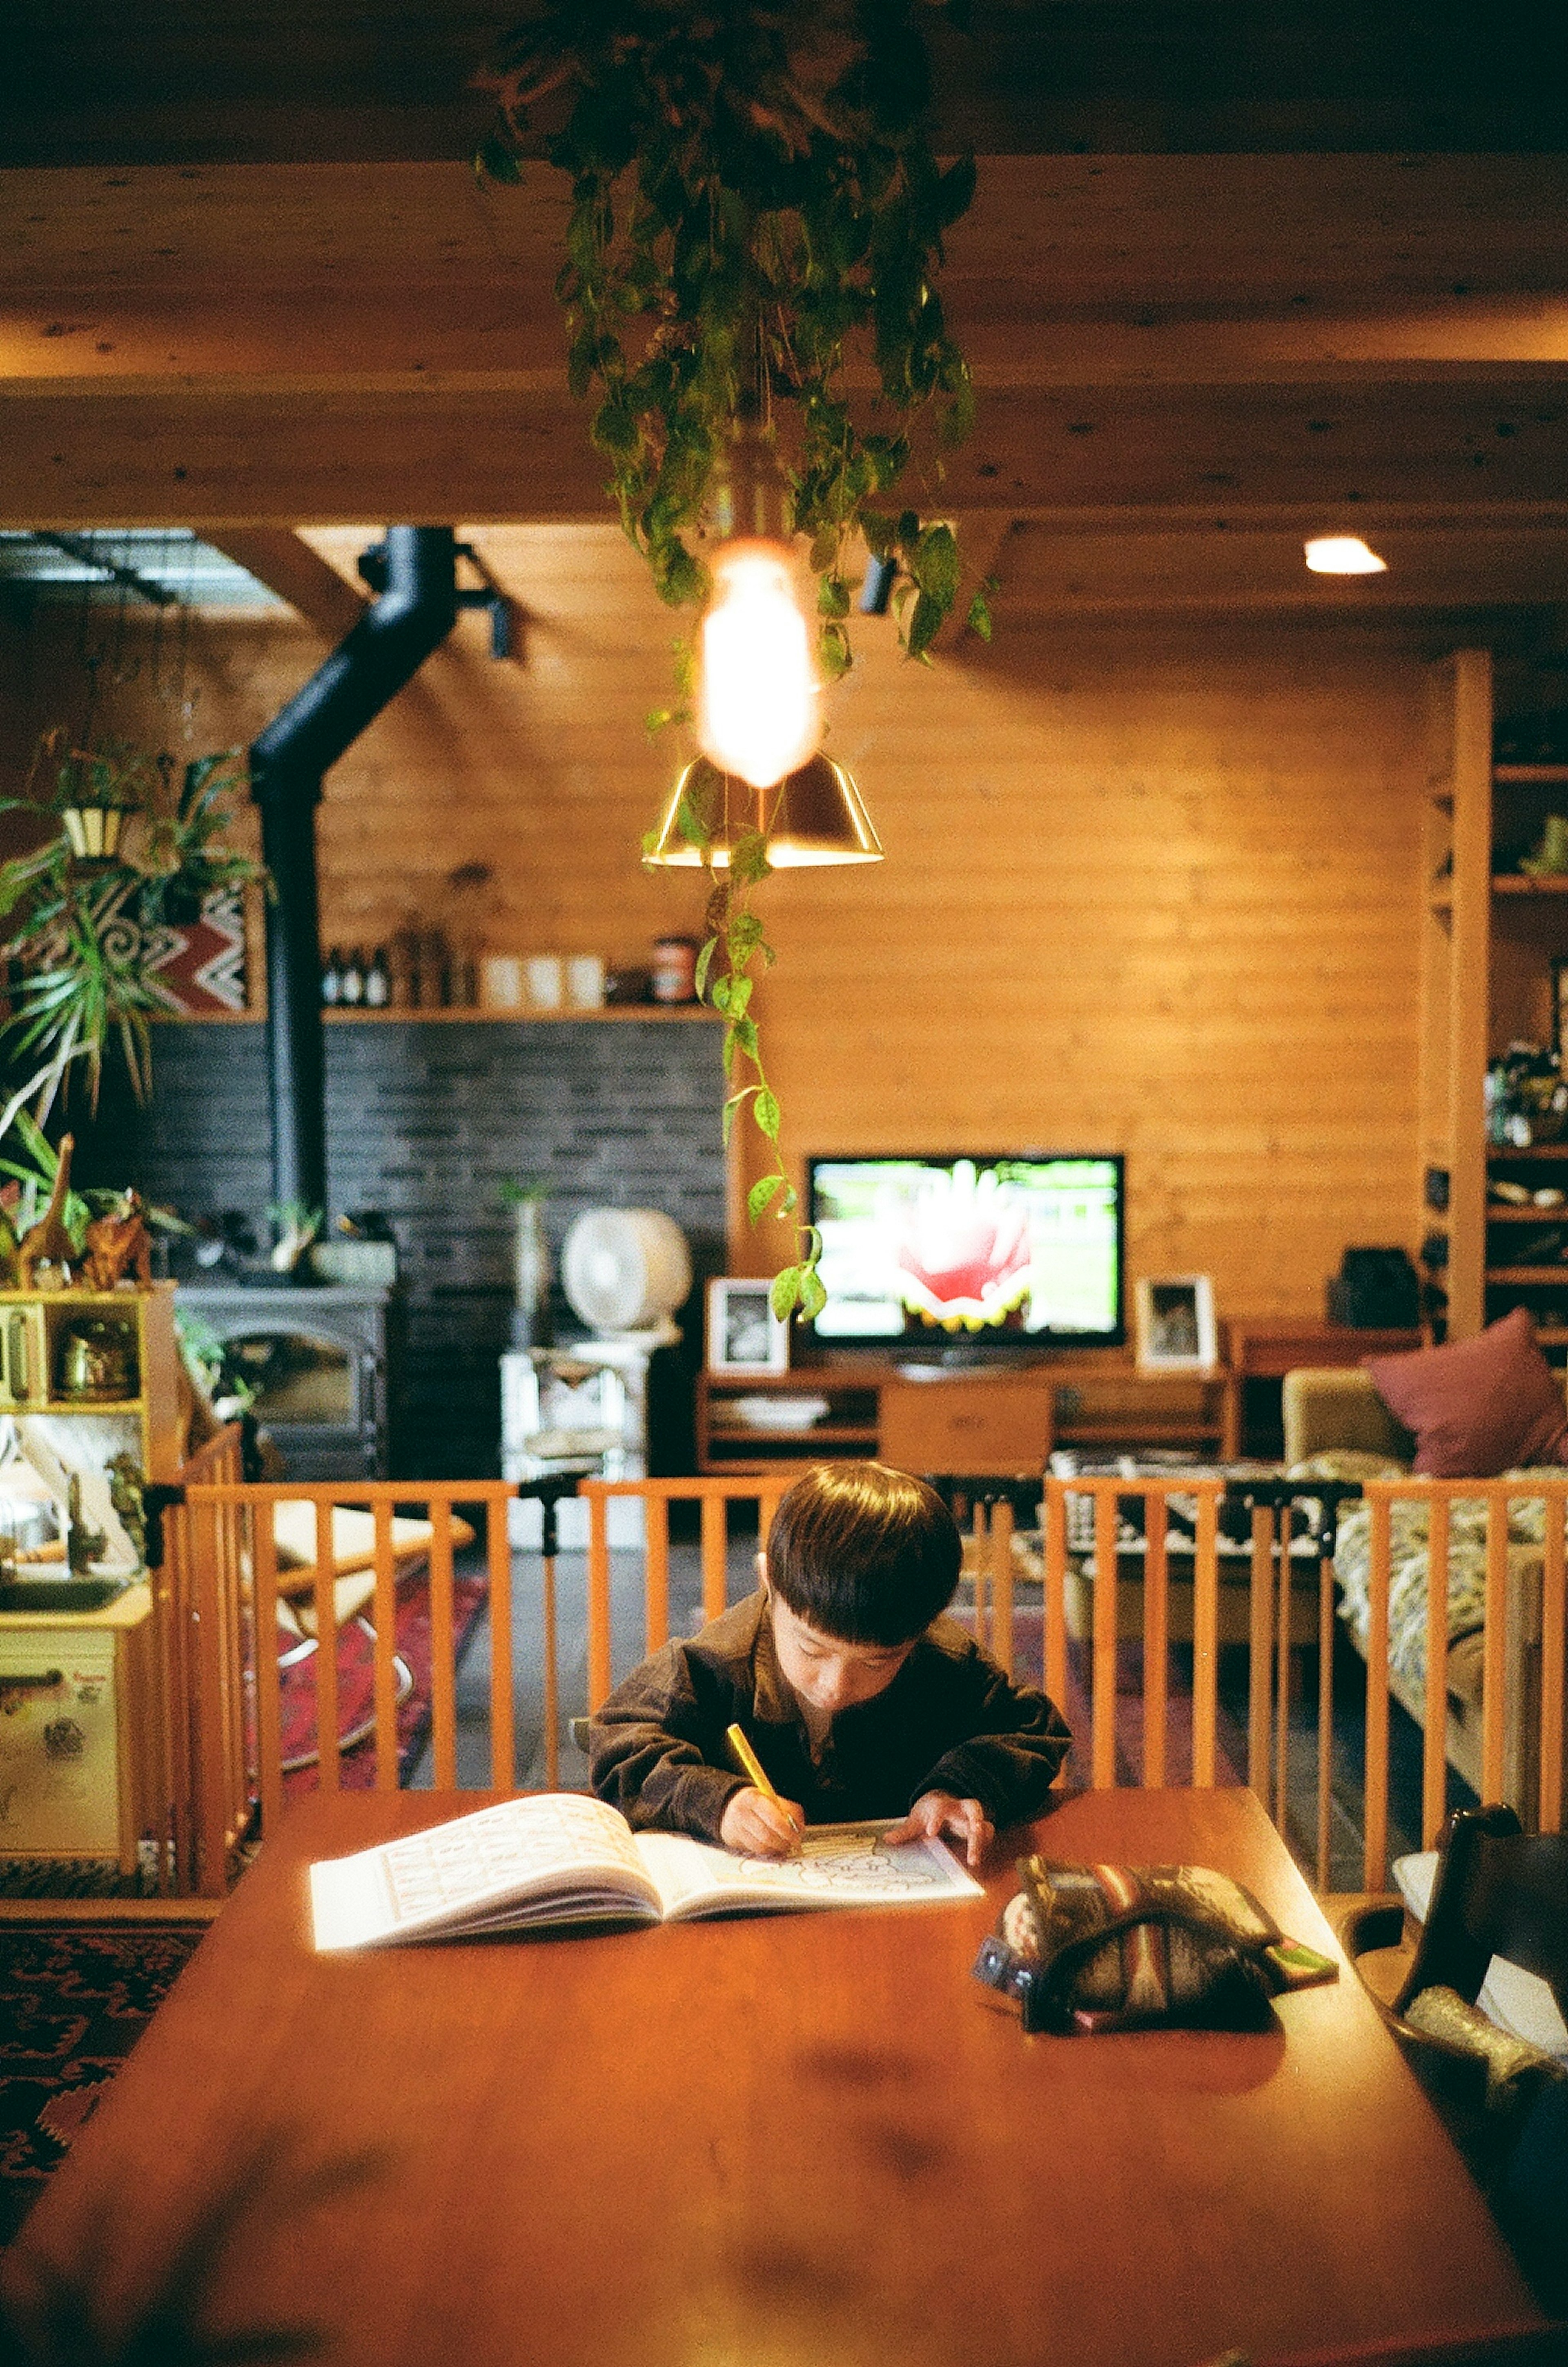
(863, 1553)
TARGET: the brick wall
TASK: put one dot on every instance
(424, 1122)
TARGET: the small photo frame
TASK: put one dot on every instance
(744, 1334)
(1175, 1317)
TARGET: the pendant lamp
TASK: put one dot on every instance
(813, 816)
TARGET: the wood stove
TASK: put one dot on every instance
(322, 1363)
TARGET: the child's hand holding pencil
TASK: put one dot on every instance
(757, 1823)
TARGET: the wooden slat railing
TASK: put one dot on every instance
(1275, 1608)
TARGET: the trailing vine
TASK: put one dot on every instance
(757, 213)
(734, 938)
(754, 203)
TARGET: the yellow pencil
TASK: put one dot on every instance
(752, 1768)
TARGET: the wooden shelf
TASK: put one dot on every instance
(816, 1434)
(1522, 883)
(453, 1014)
(1496, 1151)
(1507, 1212)
(1531, 1277)
(1525, 774)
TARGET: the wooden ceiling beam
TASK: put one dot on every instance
(479, 339)
(1166, 232)
(286, 564)
(179, 453)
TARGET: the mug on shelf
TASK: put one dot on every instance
(547, 984)
(501, 982)
(585, 982)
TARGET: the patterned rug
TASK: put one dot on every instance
(356, 1688)
(73, 2003)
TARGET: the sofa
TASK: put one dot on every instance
(1337, 1425)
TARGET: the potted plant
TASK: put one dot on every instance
(128, 853)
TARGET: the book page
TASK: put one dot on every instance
(548, 1851)
(837, 1865)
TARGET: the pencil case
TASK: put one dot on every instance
(1085, 1948)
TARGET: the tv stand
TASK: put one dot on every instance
(1095, 1398)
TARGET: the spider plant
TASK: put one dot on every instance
(78, 931)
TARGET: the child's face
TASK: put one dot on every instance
(823, 1670)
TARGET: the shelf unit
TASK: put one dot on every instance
(79, 1750)
(1489, 938)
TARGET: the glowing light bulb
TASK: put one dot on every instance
(758, 689)
(1343, 554)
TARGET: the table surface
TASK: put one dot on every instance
(794, 2139)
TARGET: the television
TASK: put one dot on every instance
(954, 1258)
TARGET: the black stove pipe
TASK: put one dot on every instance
(386, 648)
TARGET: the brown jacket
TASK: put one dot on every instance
(949, 1722)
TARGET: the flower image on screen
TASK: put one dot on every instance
(1021, 1248)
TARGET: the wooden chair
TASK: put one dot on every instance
(353, 1591)
(1499, 1892)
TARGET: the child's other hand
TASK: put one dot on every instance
(936, 1814)
(754, 1825)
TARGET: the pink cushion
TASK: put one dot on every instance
(1477, 1407)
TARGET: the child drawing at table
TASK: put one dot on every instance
(859, 1699)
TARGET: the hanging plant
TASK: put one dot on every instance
(756, 211)
(755, 203)
(80, 925)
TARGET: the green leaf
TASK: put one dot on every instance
(955, 192)
(494, 161)
(813, 1296)
(979, 618)
(733, 1106)
(766, 1112)
(834, 652)
(705, 963)
(784, 1293)
(738, 997)
(760, 1194)
(832, 597)
(749, 859)
(924, 624)
(934, 564)
(723, 994)
(744, 1031)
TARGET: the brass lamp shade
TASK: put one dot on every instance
(814, 815)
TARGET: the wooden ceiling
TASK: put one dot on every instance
(248, 278)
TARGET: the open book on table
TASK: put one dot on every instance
(563, 1857)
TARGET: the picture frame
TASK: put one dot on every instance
(744, 1335)
(1174, 1314)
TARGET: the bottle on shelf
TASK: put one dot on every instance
(332, 979)
(351, 991)
(379, 980)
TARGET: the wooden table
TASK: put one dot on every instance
(1266, 1348)
(794, 2140)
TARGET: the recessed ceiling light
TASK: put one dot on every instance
(1343, 554)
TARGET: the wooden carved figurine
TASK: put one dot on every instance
(48, 1243)
(118, 1245)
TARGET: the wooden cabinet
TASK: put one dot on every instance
(1491, 936)
(88, 1381)
(959, 1422)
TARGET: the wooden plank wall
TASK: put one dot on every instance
(1153, 891)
